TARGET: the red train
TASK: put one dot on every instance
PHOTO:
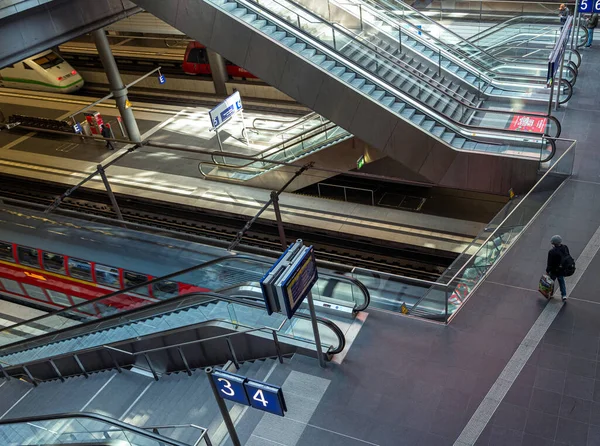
(196, 62)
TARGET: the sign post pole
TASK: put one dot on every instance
(275, 199)
(315, 326)
(577, 16)
(223, 409)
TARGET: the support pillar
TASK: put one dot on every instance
(219, 72)
(116, 84)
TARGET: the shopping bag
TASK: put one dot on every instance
(546, 286)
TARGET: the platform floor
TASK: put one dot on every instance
(174, 177)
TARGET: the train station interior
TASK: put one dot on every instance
(299, 223)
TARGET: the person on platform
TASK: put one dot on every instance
(107, 133)
(592, 22)
(563, 14)
(554, 266)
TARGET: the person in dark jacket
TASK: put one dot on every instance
(563, 14)
(592, 22)
(554, 264)
(107, 133)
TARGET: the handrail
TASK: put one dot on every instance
(292, 123)
(96, 417)
(440, 46)
(166, 277)
(375, 78)
(482, 244)
(247, 301)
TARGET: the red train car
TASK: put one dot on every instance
(196, 62)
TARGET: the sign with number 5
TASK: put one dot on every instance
(585, 6)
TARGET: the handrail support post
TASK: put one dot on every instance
(232, 351)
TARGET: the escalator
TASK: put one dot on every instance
(307, 60)
(419, 37)
(82, 429)
(72, 341)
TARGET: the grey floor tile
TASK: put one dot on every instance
(593, 438)
(447, 424)
(558, 338)
(552, 360)
(551, 380)
(575, 409)
(545, 401)
(572, 432)
(595, 413)
(584, 345)
(454, 400)
(541, 425)
(500, 436)
(579, 387)
(533, 440)
(582, 367)
(510, 416)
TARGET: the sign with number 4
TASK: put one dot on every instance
(246, 391)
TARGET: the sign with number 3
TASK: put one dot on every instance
(250, 392)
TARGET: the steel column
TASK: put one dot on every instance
(116, 84)
(219, 72)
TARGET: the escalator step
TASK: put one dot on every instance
(387, 101)
(239, 12)
(298, 47)
(328, 65)
(338, 71)
(368, 88)
(289, 41)
(438, 130)
(269, 29)
(358, 82)
(448, 137)
(278, 35)
(260, 23)
(308, 53)
(458, 142)
(469, 145)
(408, 112)
(427, 125)
(398, 106)
(418, 118)
(249, 18)
(348, 76)
(378, 95)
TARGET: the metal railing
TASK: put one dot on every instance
(439, 305)
(346, 188)
(86, 426)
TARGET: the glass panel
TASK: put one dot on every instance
(34, 291)
(107, 275)
(6, 252)
(80, 269)
(12, 286)
(49, 60)
(165, 289)
(59, 298)
(53, 262)
(131, 279)
(28, 256)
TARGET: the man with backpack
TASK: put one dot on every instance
(560, 264)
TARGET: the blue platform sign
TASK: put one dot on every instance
(77, 128)
(231, 386)
(290, 279)
(162, 79)
(226, 110)
(260, 395)
(585, 6)
(266, 397)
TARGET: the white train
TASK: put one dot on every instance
(46, 71)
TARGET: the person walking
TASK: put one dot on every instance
(107, 133)
(563, 14)
(560, 264)
(592, 22)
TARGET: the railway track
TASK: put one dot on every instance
(401, 260)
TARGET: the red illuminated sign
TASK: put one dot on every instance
(528, 124)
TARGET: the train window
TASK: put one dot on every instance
(28, 256)
(80, 269)
(59, 298)
(53, 262)
(107, 275)
(165, 289)
(12, 286)
(132, 279)
(197, 55)
(27, 67)
(34, 291)
(6, 252)
(49, 60)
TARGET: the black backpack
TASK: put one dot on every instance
(567, 265)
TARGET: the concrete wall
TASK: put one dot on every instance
(426, 158)
(40, 27)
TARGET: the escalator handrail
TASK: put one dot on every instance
(480, 69)
(95, 417)
(374, 78)
(435, 84)
(446, 29)
(284, 145)
(209, 263)
(248, 301)
(292, 122)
